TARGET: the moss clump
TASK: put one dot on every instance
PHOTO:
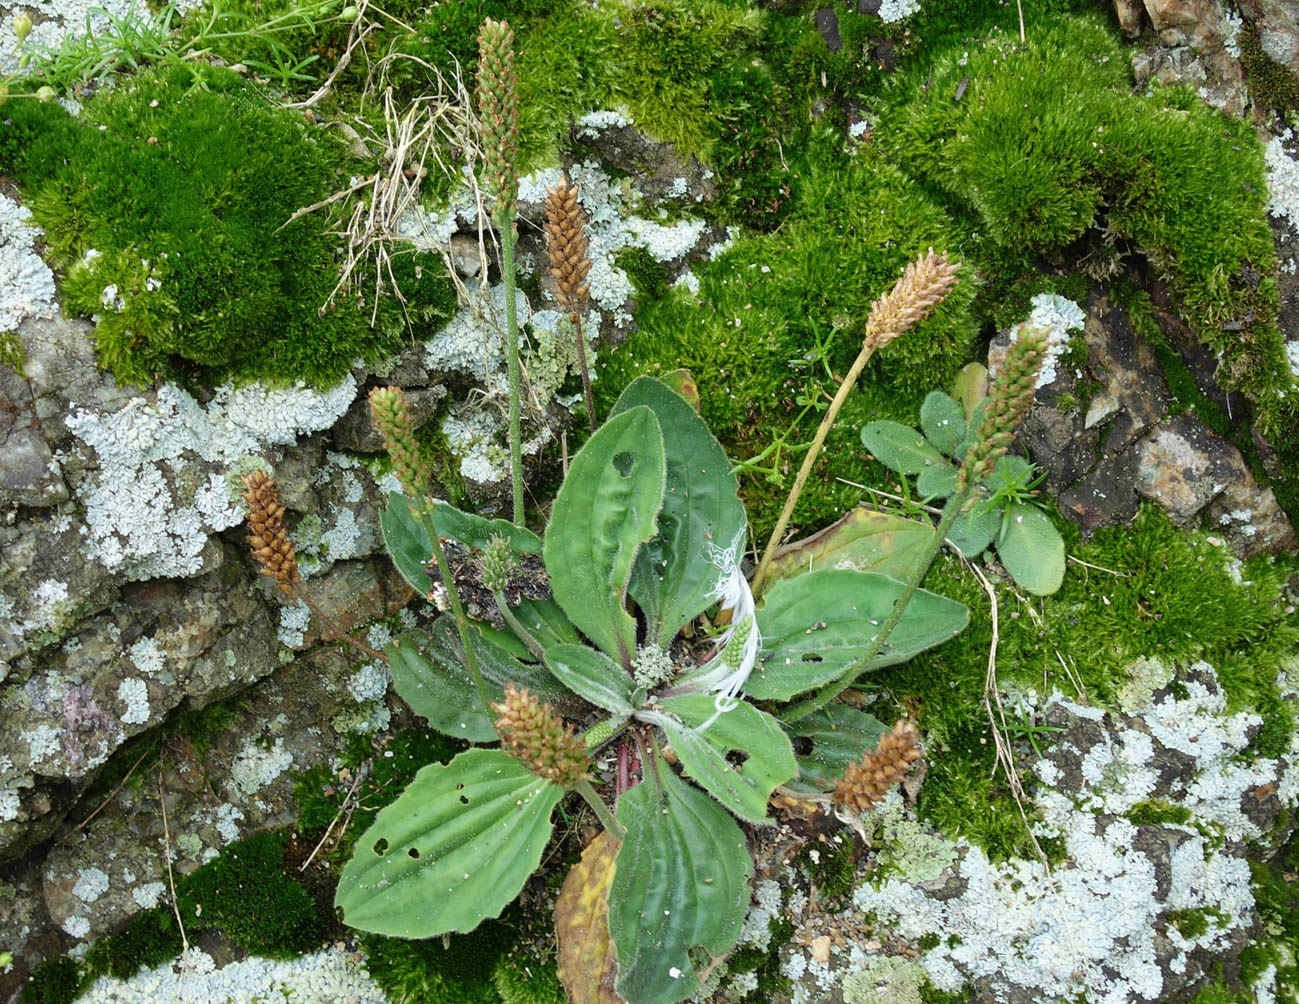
(1178, 601)
(453, 970)
(832, 867)
(149, 939)
(12, 353)
(245, 893)
(522, 978)
(1154, 813)
(1051, 152)
(184, 198)
(57, 981)
(648, 275)
(764, 963)
(1270, 84)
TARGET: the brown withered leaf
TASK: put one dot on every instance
(865, 540)
(587, 963)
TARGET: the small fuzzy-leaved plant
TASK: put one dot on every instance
(1000, 511)
(631, 618)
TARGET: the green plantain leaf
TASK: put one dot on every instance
(839, 734)
(899, 446)
(680, 880)
(936, 481)
(770, 757)
(604, 512)
(943, 422)
(411, 550)
(863, 539)
(438, 687)
(1032, 549)
(971, 388)
(592, 676)
(815, 625)
(673, 578)
(454, 848)
(476, 531)
(407, 542)
(547, 622)
(973, 532)
(429, 675)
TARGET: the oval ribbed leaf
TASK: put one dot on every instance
(438, 688)
(942, 420)
(1032, 549)
(604, 512)
(937, 481)
(839, 734)
(864, 540)
(744, 789)
(815, 625)
(973, 532)
(411, 550)
(899, 446)
(407, 543)
(680, 881)
(586, 962)
(673, 578)
(592, 676)
(453, 849)
(971, 388)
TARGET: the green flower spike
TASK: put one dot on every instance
(392, 416)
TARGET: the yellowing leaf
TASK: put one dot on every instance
(587, 963)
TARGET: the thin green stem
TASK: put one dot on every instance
(453, 598)
(850, 674)
(576, 318)
(523, 634)
(809, 458)
(512, 355)
(602, 810)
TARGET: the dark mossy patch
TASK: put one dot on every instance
(12, 353)
(764, 963)
(169, 208)
(456, 969)
(149, 939)
(832, 867)
(1176, 598)
(1156, 813)
(57, 981)
(648, 275)
(1271, 85)
(246, 894)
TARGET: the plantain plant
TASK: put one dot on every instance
(631, 617)
(1001, 511)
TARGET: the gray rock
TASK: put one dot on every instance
(29, 474)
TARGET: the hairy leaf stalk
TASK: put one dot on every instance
(392, 416)
(924, 284)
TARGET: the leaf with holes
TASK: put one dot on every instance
(604, 513)
(835, 736)
(743, 789)
(816, 625)
(674, 576)
(680, 882)
(454, 849)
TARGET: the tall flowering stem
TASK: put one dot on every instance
(498, 110)
(924, 284)
(566, 247)
(1009, 399)
(392, 417)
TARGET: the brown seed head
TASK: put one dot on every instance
(566, 246)
(537, 737)
(865, 783)
(498, 111)
(1009, 399)
(392, 417)
(924, 284)
(267, 538)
